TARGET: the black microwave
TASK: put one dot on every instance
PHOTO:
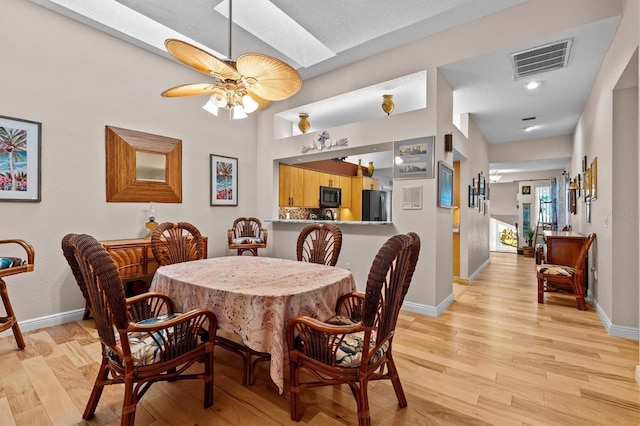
(330, 197)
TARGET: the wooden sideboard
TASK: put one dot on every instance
(135, 262)
(563, 248)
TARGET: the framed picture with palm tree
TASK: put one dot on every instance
(224, 181)
(19, 159)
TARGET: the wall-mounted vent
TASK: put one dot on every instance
(541, 59)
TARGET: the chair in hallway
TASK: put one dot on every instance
(565, 279)
(319, 243)
(247, 235)
(143, 340)
(12, 266)
(176, 242)
(355, 346)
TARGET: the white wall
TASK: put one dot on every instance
(594, 138)
(75, 80)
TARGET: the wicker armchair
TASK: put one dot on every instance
(69, 253)
(247, 234)
(355, 346)
(12, 266)
(565, 279)
(319, 243)
(177, 242)
(143, 340)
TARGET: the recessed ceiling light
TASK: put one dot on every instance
(529, 118)
(533, 85)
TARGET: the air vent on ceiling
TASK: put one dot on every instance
(540, 59)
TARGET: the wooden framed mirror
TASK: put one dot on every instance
(142, 167)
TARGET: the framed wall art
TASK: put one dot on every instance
(445, 185)
(472, 192)
(414, 158)
(526, 189)
(224, 181)
(20, 159)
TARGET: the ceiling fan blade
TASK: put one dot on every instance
(275, 80)
(201, 60)
(194, 89)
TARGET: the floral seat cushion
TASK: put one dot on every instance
(10, 262)
(349, 354)
(146, 348)
(549, 269)
(247, 240)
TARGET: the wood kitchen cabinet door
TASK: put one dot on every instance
(345, 186)
(311, 192)
(291, 186)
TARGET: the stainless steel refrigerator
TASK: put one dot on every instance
(376, 205)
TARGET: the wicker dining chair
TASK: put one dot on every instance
(319, 243)
(12, 266)
(69, 253)
(565, 279)
(143, 340)
(355, 346)
(247, 235)
(177, 242)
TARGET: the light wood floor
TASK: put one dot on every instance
(494, 357)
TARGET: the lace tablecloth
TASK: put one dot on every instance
(255, 297)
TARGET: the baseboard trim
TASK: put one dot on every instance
(480, 269)
(459, 280)
(432, 311)
(47, 321)
(638, 374)
(622, 331)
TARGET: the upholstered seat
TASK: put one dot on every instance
(247, 235)
(12, 265)
(355, 346)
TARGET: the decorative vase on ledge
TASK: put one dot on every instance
(370, 168)
(359, 171)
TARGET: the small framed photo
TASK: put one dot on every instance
(19, 159)
(224, 181)
(472, 192)
(445, 185)
(594, 178)
(526, 189)
(414, 158)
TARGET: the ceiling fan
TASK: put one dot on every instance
(240, 86)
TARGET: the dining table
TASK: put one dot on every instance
(255, 297)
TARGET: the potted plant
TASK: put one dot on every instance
(528, 234)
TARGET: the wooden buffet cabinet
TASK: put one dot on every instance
(134, 260)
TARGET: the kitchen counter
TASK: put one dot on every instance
(334, 222)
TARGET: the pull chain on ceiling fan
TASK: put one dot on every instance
(253, 80)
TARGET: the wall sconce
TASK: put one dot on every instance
(387, 103)
(448, 143)
(574, 184)
(304, 124)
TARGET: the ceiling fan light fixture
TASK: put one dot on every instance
(238, 113)
(211, 107)
(249, 104)
(268, 79)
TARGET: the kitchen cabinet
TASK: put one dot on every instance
(345, 186)
(311, 191)
(328, 179)
(290, 187)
